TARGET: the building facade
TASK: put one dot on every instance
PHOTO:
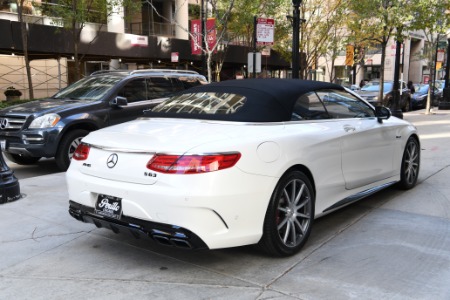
(154, 36)
(414, 64)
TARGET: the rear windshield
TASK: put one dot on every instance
(89, 88)
(202, 103)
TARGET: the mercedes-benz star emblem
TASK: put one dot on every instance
(3, 123)
(112, 160)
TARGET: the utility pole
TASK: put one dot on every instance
(296, 38)
(445, 104)
(254, 46)
(397, 112)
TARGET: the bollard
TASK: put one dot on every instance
(9, 184)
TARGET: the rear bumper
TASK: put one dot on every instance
(168, 235)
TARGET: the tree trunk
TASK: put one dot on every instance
(383, 59)
(24, 33)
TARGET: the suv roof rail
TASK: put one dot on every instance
(163, 71)
(108, 71)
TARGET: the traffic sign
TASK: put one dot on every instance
(265, 31)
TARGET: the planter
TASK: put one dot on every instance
(12, 98)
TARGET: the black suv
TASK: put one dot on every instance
(54, 127)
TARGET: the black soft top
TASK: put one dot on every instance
(268, 100)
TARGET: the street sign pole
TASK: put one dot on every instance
(254, 46)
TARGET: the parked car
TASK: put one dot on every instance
(419, 98)
(440, 84)
(54, 127)
(370, 93)
(240, 162)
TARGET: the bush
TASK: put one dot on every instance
(11, 91)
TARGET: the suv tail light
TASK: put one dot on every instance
(192, 164)
(82, 152)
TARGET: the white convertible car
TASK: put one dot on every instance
(240, 162)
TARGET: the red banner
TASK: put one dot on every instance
(196, 39)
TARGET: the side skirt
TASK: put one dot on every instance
(358, 196)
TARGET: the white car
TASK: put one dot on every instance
(240, 162)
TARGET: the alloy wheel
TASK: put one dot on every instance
(294, 213)
(411, 162)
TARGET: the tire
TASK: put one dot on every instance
(67, 147)
(21, 159)
(410, 164)
(287, 224)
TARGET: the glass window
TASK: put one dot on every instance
(134, 90)
(159, 87)
(189, 82)
(89, 88)
(374, 86)
(309, 107)
(341, 104)
(202, 103)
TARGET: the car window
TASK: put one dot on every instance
(371, 87)
(134, 90)
(341, 104)
(89, 88)
(309, 107)
(374, 86)
(159, 87)
(202, 103)
(177, 85)
(189, 81)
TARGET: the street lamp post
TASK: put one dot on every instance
(296, 38)
(396, 88)
(9, 184)
(445, 104)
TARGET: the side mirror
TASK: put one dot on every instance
(119, 101)
(382, 113)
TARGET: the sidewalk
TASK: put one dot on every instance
(392, 245)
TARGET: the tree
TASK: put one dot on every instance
(74, 14)
(322, 32)
(241, 24)
(433, 18)
(24, 35)
(221, 11)
(375, 22)
(336, 35)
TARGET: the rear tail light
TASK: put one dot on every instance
(82, 152)
(192, 164)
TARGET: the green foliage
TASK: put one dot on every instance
(194, 11)
(431, 16)
(240, 25)
(68, 11)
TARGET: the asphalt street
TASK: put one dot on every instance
(392, 245)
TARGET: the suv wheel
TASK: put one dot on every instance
(21, 159)
(67, 147)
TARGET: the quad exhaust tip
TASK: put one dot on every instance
(179, 243)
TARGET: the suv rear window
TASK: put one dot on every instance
(202, 103)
